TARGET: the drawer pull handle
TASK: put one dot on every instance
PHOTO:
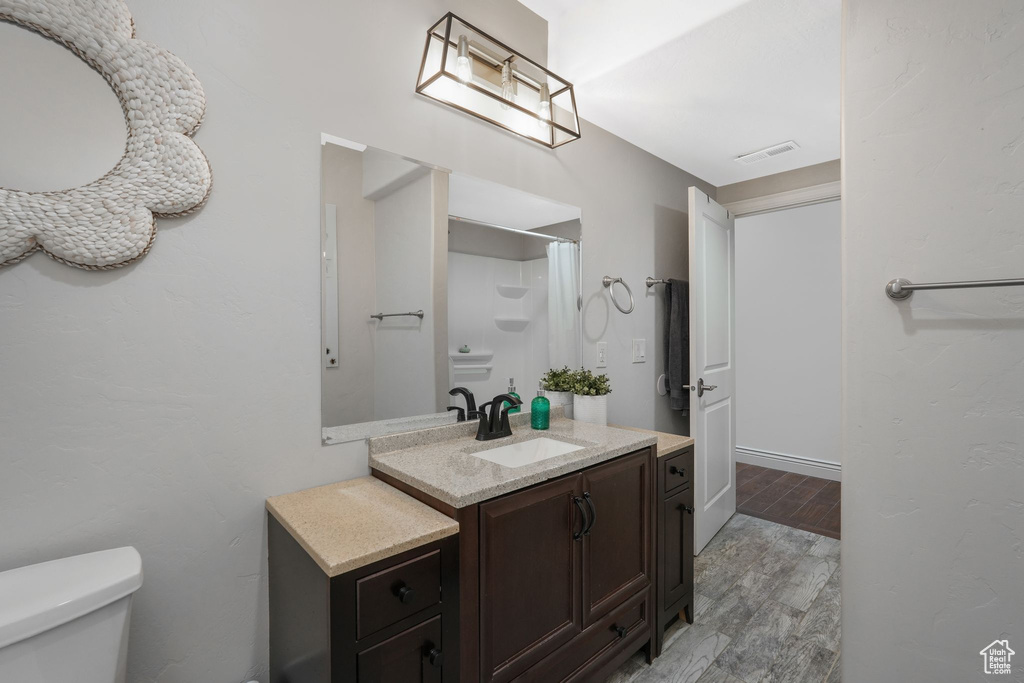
(593, 513)
(621, 630)
(577, 535)
(436, 657)
(687, 508)
(676, 470)
(405, 594)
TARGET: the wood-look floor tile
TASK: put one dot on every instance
(800, 661)
(688, 657)
(822, 625)
(805, 582)
(828, 548)
(784, 554)
(731, 612)
(716, 675)
(750, 656)
(836, 675)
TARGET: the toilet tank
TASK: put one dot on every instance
(67, 620)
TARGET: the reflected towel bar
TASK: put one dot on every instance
(650, 282)
(901, 288)
(381, 316)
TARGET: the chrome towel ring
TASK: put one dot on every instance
(608, 281)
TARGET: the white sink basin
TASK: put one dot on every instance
(527, 452)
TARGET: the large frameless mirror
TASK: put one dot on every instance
(434, 280)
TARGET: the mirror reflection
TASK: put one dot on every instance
(435, 280)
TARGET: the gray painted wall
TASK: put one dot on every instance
(159, 405)
(933, 397)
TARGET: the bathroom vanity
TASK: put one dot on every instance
(556, 555)
(547, 556)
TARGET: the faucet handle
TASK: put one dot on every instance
(459, 412)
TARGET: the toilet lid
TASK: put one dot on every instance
(43, 596)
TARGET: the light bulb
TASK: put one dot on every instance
(508, 90)
(464, 63)
(544, 106)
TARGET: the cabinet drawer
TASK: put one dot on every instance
(412, 656)
(603, 640)
(397, 592)
(675, 471)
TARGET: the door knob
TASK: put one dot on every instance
(701, 387)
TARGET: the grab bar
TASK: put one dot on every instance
(901, 288)
(381, 316)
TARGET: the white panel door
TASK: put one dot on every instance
(712, 365)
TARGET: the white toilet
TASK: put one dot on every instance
(67, 620)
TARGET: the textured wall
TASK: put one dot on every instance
(933, 471)
(160, 404)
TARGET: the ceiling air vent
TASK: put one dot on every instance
(768, 152)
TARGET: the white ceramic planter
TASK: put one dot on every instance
(561, 398)
(592, 409)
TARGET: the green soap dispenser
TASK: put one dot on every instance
(512, 392)
(540, 410)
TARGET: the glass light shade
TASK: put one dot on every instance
(465, 68)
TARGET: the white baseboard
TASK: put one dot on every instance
(809, 467)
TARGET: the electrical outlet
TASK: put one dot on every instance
(602, 354)
(639, 350)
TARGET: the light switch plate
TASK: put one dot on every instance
(639, 350)
(602, 354)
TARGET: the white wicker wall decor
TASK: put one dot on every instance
(110, 222)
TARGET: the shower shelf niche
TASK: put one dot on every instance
(507, 324)
(474, 357)
(512, 291)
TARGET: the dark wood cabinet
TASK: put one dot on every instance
(616, 545)
(675, 542)
(392, 621)
(558, 562)
(529, 576)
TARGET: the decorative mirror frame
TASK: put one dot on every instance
(111, 222)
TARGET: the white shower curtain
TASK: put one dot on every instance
(563, 314)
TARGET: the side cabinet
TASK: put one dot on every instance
(566, 574)
(675, 541)
(392, 621)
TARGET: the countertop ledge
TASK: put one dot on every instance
(447, 470)
(668, 444)
(351, 524)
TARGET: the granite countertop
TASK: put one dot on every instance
(439, 462)
(353, 523)
(668, 444)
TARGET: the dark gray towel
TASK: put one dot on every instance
(677, 343)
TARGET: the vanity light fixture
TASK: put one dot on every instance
(467, 69)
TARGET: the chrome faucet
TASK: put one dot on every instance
(494, 418)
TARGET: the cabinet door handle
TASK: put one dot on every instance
(577, 535)
(686, 508)
(675, 470)
(621, 630)
(436, 657)
(405, 594)
(593, 513)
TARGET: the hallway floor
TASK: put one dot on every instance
(807, 503)
(766, 611)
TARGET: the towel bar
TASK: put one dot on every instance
(901, 288)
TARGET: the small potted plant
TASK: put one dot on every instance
(558, 385)
(590, 397)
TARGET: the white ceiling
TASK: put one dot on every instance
(482, 200)
(700, 82)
